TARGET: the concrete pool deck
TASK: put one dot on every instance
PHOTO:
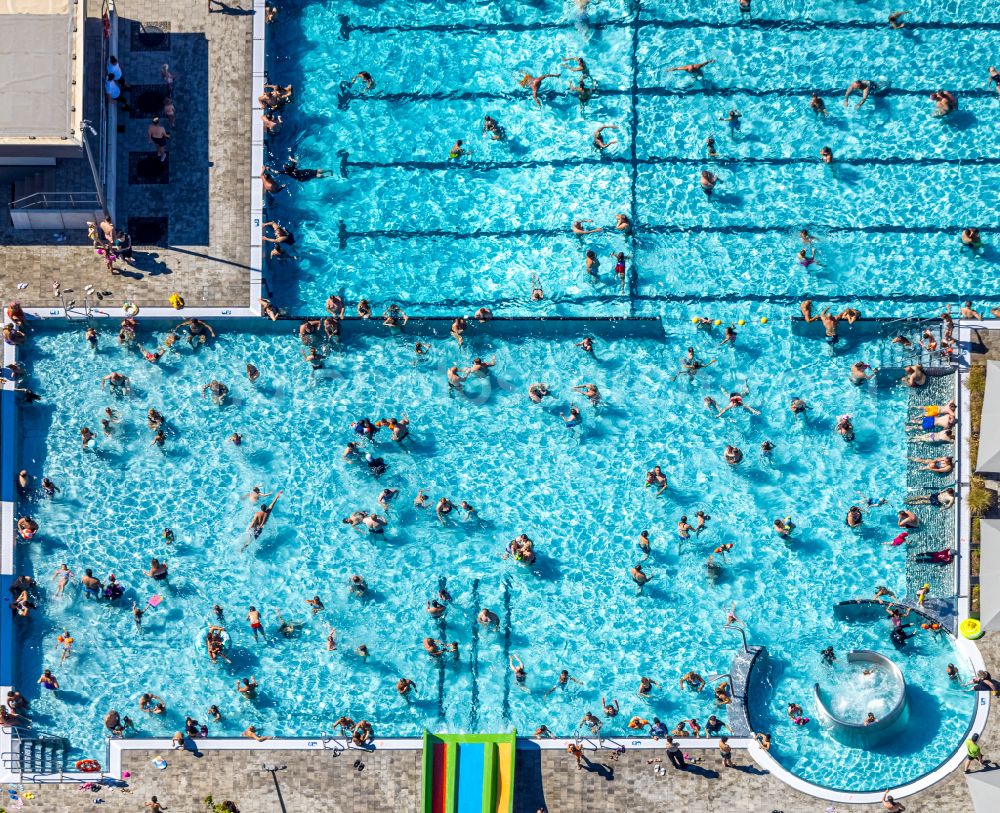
(206, 253)
(545, 780)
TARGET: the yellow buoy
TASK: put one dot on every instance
(742, 322)
(763, 320)
(971, 629)
(694, 320)
(717, 322)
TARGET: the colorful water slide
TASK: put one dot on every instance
(468, 773)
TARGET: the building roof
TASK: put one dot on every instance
(988, 458)
(989, 575)
(41, 70)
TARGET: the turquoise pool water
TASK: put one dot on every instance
(400, 221)
(577, 493)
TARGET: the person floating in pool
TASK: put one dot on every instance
(366, 78)
(572, 420)
(292, 169)
(736, 402)
(817, 105)
(708, 181)
(828, 655)
(796, 715)
(458, 151)
(117, 383)
(538, 391)
(784, 527)
(945, 102)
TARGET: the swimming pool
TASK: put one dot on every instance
(400, 221)
(577, 493)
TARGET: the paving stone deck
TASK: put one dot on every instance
(207, 200)
(545, 780)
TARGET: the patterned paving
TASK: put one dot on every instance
(549, 781)
(207, 200)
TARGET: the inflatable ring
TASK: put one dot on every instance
(971, 629)
(88, 765)
(130, 308)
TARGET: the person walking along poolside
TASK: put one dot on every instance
(975, 753)
(675, 755)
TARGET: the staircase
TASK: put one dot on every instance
(35, 755)
(37, 204)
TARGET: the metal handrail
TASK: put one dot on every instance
(105, 54)
(57, 200)
(741, 631)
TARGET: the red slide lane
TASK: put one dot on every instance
(439, 780)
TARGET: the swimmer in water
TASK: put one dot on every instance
(579, 229)
(598, 139)
(366, 78)
(694, 69)
(537, 293)
(736, 402)
(639, 577)
(864, 86)
(818, 106)
(492, 126)
(644, 543)
(535, 82)
(590, 392)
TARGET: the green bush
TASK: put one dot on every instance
(980, 499)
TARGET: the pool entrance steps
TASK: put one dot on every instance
(468, 773)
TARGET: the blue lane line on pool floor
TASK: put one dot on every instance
(474, 660)
(505, 706)
(633, 281)
(442, 626)
(742, 22)
(346, 96)
(343, 234)
(653, 160)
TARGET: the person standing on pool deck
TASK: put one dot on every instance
(261, 517)
(675, 755)
(891, 804)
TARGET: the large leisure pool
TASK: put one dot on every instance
(399, 220)
(576, 492)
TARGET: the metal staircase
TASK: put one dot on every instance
(35, 754)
